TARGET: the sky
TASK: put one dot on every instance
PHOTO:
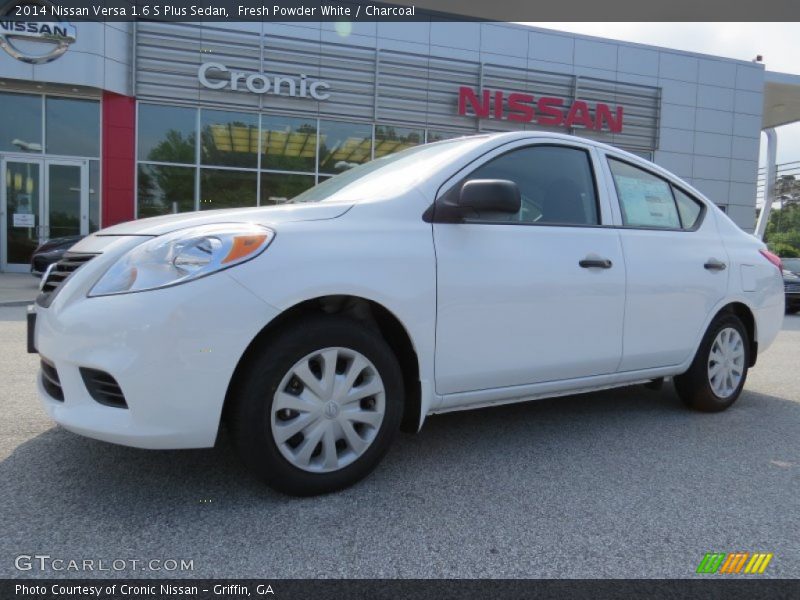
(777, 43)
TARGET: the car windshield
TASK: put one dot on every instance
(791, 264)
(404, 168)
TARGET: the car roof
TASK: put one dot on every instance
(533, 135)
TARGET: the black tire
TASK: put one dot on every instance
(694, 387)
(249, 418)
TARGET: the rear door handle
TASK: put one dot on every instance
(715, 265)
(595, 263)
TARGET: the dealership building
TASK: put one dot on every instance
(105, 122)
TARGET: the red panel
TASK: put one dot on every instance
(119, 134)
(118, 146)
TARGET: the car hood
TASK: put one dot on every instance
(265, 215)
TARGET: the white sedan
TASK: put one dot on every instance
(465, 273)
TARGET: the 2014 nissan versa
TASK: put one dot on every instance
(464, 273)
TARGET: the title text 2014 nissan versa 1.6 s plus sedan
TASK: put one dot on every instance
(464, 273)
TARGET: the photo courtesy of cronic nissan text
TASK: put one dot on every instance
(377, 300)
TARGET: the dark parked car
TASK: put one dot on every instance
(791, 285)
(50, 252)
(792, 265)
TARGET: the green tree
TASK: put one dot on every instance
(783, 230)
(787, 189)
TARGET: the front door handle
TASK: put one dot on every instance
(595, 263)
(715, 265)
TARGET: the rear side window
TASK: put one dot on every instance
(645, 200)
(688, 208)
(556, 185)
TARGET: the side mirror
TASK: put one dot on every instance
(490, 195)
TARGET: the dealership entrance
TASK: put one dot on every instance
(41, 199)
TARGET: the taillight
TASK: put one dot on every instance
(773, 258)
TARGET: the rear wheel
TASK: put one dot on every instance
(318, 406)
(719, 370)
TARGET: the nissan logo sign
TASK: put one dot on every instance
(216, 76)
(24, 39)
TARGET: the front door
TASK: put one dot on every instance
(533, 297)
(41, 199)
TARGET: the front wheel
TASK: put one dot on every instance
(317, 406)
(717, 375)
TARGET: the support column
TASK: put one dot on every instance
(769, 184)
(118, 159)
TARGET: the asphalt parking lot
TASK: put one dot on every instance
(624, 483)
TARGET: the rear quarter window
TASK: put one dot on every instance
(690, 210)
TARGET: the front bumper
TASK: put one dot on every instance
(172, 351)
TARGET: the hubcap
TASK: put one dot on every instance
(328, 409)
(726, 362)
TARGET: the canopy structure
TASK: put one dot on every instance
(781, 99)
(781, 107)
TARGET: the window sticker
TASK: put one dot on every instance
(647, 202)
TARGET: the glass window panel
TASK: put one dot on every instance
(342, 146)
(688, 207)
(645, 200)
(63, 200)
(166, 133)
(288, 143)
(227, 189)
(438, 136)
(163, 190)
(229, 139)
(23, 189)
(94, 195)
(277, 188)
(23, 132)
(73, 126)
(556, 185)
(390, 139)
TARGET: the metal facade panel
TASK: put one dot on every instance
(367, 84)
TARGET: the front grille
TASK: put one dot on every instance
(59, 274)
(50, 381)
(791, 287)
(103, 388)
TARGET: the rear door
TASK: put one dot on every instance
(518, 303)
(676, 263)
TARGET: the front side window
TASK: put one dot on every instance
(556, 185)
(645, 200)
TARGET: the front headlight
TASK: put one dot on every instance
(182, 256)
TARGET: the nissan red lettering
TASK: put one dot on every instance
(544, 110)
